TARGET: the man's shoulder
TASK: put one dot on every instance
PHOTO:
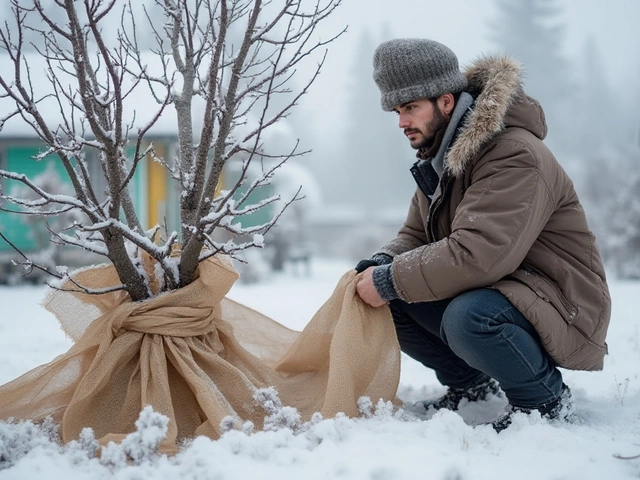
(520, 146)
(518, 151)
(518, 135)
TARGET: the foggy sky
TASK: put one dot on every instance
(463, 25)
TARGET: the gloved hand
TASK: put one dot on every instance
(364, 264)
(376, 260)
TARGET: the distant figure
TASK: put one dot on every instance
(280, 245)
(300, 258)
(300, 248)
(495, 279)
(290, 243)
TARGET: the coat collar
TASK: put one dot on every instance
(495, 81)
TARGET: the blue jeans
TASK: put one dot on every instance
(477, 335)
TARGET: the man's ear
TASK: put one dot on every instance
(446, 103)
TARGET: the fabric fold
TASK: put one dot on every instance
(198, 357)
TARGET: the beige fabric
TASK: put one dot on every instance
(197, 357)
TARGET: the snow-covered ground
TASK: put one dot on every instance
(388, 445)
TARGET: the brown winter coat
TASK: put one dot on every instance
(508, 218)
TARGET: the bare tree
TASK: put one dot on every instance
(230, 58)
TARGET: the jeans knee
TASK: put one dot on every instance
(454, 328)
(462, 320)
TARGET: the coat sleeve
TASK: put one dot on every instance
(412, 234)
(501, 215)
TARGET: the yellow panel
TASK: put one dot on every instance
(221, 182)
(157, 187)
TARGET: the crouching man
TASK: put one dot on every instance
(494, 280)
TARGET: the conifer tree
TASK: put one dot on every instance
(531, 31)
(377, 156)
(624, 234)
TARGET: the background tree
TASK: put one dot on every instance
(598, 118)
(226, 59)
(374, 149)
(590, 121)
(609, 173)
(623, 239)
(531, 31)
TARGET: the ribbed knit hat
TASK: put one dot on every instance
(408, 69)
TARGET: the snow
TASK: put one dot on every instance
(383, 444)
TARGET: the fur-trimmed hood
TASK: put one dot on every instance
(496, 82)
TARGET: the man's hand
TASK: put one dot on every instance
(367, 290)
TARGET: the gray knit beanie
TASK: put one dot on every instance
(408, 69)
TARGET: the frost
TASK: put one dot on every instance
(279, 416)
(83, 449)
(173, 265)
(226, 220)
(17, 439)
(287, 417)
(268, 399)
(382, 409)
(247, 427)
(365, 407)
(228, 423)
(140, 446)
(158, 273)
(331, 430)
(258, 240)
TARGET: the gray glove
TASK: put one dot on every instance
(375, 261)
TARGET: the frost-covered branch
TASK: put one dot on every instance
(251, 75)
(82, 289)
(225, 67)
(27, 263)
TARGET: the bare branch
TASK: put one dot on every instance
(194, 243)
(88, 291)
(96, 67)
(52, 25)
(27, 263)
(632, 457)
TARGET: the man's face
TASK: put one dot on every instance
(421, 120)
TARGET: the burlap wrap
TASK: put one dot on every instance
(197, 357)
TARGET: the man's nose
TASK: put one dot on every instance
(403, 121)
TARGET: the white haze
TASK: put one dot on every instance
(463, 25)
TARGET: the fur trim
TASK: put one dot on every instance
(497, 81)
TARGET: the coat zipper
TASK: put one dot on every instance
(435, 206)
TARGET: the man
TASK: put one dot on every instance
(495, 280)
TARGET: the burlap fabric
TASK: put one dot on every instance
(198, 357)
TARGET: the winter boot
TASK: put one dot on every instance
(561, 409)
(453, 397)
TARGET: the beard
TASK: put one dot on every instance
(428, 132)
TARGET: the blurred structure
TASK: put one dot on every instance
(150, 189)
